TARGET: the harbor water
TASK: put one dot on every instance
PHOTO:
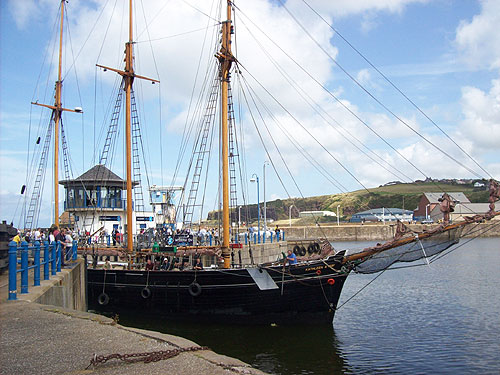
(437, 319)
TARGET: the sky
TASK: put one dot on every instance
(327, 102)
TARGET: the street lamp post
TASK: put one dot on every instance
(255, 178)
(338, 219)
(290, 215)
(265, 207)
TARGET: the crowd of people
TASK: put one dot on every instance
(168, 236)
(62, 236)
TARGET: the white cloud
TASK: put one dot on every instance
(478, 39)
(349, 7)
(363, 76)
(24, 11)
(479, 46)
(481, 110)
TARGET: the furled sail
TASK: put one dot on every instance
(408, 252)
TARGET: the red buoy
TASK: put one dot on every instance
(331, 281)
(318, 272)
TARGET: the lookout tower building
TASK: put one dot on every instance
(97, 202)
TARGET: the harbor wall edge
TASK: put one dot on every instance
(67, 289)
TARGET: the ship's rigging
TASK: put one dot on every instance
(255, 100)
(222, 122)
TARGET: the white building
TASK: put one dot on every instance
(97, 202)
(383, 214)
(317, 213)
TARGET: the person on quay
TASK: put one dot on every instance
(17, 238)
(61, 241)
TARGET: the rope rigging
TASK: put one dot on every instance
(268, 131)
(395, 87)
(338, 100)
(362, 87)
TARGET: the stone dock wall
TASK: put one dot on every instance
(67, 289)
(261, 253)
(381, 232)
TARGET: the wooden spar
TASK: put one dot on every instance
(226, 59)
(129, 75)
(57, 111)
(57, 116)
(406, 240)
(129, 68)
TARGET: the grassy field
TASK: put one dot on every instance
(404, 196)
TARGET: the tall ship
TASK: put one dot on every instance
(220, 279)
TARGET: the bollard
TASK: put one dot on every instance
(36, 272)
(108, 239)
(24, 267)
(75, 251)
(271, 237)
(246, 238)
(210, 239)
(283, 236)
(46, 257)
(53, 253)
(12, 270)
(254, 238)
(264, 237)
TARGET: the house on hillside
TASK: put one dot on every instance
(382, 214)
(428, 207)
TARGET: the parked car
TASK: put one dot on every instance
(427, 221)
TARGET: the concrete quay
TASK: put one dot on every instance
(37, 337)
(42, 339)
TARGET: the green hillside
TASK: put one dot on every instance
(401, 195)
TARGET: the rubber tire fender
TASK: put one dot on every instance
(296, 250)
(317, 249)
(310, 249)
(302, 251)
(146, 293)
(103, 299)
(194, 289)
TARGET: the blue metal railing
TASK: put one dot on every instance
(274, 237)
(51, 261)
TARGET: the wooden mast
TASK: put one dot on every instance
(129, 75)
(57, 115)
(226, 59)
(129, 78)
(57, 111)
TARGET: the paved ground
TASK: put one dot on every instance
(40, 339)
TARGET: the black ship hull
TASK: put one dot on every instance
(308, 292)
